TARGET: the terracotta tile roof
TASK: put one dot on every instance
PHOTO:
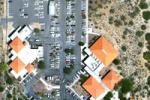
(111, 79)
(17, 44)
(93, 87)
(30, 68)
(17, 65)
(104, 51)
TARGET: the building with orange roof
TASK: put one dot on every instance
(102, 79)
(111, 79)
(29, 68)
(104, 51)
(93, 87)
(21, 54)
(17, 45)
(17, 65)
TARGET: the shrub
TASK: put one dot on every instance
(122, 17)
(139, 33)
(135, 12)
(118, 23)
(143, 27)
(110, 20)
(140, 44)
(123, 48)
(131, 23)
(112, 10)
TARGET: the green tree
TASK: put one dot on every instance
(9, 95)
(9, 81)
(146, 15)
(147, 36)
(41, 64)
(53, 93)
(81, 43)
(148, 80)
(116, 61)
(67, 70)
(121, 96)
(126, 85)
(108, 96)
(143, 4)
(83, 78)
(3, 67)
(146, 55)
(69, 50)
(1, 88)
(147, 65)
(36, 30)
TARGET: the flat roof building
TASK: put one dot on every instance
(52, 8)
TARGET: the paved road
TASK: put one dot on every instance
(63, 38)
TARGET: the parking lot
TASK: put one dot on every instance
(62, 30)
(27, 11)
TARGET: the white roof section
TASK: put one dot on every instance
(27, 55)
(24, 33)
(92, 63)
(52, 8)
